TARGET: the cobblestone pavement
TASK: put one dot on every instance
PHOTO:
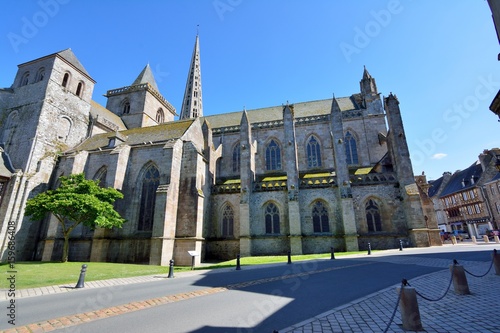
(476, 312)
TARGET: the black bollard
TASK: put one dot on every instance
(289, 257)
(333, 253)
(81, 279)
(369, 249)
(238, 266)
(171, 269)
(400, 245)
(496, 261)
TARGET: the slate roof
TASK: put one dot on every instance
(275, 113)
(435, 185)
(71, 58)
(99, 111)
(6, 169)
(146, 76)
(160, 133)
(455, 183)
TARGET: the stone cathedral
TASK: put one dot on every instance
(302, 177)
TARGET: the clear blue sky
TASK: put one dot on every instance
(438, 57)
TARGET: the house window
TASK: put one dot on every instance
(236, 158)
(65, 80)
(150, 182)
(160, 116)
(79, 89)
(272, 214)
(273, 156)
(351, 150)
(228, 221)
(321, 222)
(25, 79)
(313, 153)
(40, 75)
(126, 107)
(373, 219)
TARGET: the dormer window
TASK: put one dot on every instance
(65, 80)
(79, 89)
(25, 79)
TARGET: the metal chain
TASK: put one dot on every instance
(446, 292)
(397, 304)
(479, 276)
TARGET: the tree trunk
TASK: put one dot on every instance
(65, 247)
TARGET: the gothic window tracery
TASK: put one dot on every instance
(273, 156)
(373, 219)
(150, 182)
(228, 221)
(313, 153)
(321, 222)
(351, 150)
(272, 219)
(236, 158)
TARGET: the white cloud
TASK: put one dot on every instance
(439, 156)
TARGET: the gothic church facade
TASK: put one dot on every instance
(305, 178)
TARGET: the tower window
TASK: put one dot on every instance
(160, 116)
(25, 79)
(40, 75)
(65, 80)
(79, 89)
(126, 107)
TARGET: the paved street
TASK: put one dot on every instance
(349, 294)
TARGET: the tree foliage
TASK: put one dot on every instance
(77, 201)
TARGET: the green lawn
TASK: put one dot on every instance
(38, 274)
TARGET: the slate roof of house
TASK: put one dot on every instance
(99, 111)
(455, 183)
(275, 113)
(435, 185)
(160, 133)
(146, 76)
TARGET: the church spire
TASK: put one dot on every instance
(192, 106)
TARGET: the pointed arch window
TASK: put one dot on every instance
(373, 219)
(272, 217)
(65, 80)
(273, 156)
(228, 221)
(100, 176)
(313, 153)
(25, 79)
(236, 158)
(351, 150)
(150, 182)
(321, 222)
(160, 116)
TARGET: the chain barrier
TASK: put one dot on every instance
(403, 283)
(446, 291)
(479, 276)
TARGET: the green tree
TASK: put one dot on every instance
(77, 201)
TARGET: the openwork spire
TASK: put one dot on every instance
(192, 104)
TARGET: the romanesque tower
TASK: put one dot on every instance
(192, 103)
(140, 104)
(48, 111)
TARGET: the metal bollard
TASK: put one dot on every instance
(459, 279)
(400, 245)
(369, 249)
(81, 279)
(496, 261)
(408, 306)
(289, 257)
(171, 269)
(238, 266)
(333, 253)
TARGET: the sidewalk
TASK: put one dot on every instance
(477, 312)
